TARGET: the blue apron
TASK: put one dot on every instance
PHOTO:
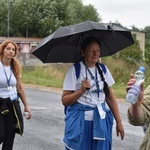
(99, 130)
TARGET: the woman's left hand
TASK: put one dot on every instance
(28, 111)
(120, 130)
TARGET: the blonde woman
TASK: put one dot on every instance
(11, 89)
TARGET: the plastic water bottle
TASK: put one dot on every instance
(26, 114)
(134, 91)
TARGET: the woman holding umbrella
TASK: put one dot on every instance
(88, 122)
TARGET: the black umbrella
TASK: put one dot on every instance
(64, 44)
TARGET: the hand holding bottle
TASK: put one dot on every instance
(26, 114)
(135, 85)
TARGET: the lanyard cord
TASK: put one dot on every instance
(8, 79)
(95, 78)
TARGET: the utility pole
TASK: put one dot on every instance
(8, 12)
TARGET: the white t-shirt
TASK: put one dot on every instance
(4, 91)
(90, 97)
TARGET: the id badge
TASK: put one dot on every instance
(101, 92)
(101, 96)
(102, 113)
(13, 95)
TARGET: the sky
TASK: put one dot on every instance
(126, 12)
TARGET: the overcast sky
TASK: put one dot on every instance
(126, 12)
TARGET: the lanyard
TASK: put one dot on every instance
(95, 78)
(8, 79)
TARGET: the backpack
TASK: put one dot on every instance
(78, 67)
(77, 71)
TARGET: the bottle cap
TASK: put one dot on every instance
(141, 68)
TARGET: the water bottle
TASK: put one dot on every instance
(26, 115)
(134, 91)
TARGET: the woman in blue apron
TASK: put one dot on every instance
(88, 122)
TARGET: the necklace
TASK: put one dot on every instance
(7, 78)
(95, 79)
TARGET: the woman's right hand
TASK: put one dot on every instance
(86, 84)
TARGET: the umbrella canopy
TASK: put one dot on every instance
(64, 44)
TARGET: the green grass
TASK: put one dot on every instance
(53, 75)
(119, 90)
(48, 76)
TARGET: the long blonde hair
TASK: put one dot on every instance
(15, 65)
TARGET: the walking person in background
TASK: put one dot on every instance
(139, 113)
(11, 120)
(88, 122)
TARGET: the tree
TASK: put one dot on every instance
(3, 18)
(147, 44)
(34, 18)
(90, 13)
(135, 28)
(147, 55)
(132, 54)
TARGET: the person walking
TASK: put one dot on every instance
(11, 89)
(88, 121)
(139, 112)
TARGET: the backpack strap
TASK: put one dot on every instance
(103, 67)
(77, 69)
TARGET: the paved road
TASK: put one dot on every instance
(45, 130)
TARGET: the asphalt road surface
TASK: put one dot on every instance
(44, 131)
